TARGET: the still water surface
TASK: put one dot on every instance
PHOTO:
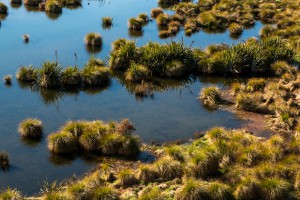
(170, 115)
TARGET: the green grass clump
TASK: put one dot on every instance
(10, 194)
(96, 137)
(28, 73)
(93, 39)
(152, 193)
(267, 31)
(105, 193)
(168, 169)
(7, 79)
(164, 33)
(256, 84)
(220, 191)
(49, 75)
(62, 143)
(136, 72)
(31, 128)
(78, 191)
(94, 75)
(70, 76)
(126, 178)
(193, 190)
(3, 8)
(32, 2)
(163, 19)
(210, 96)
(281, 67)
(274, 188)
(146, 174)
(135, 24)
(156, 11)
(107, 21)
(144, 17)
(250, 103)
(53, 6)
(235, 29)
(248, 189)
(4, 160)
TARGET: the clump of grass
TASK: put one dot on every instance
(126, 178)
(28, 73)
(62, 143)
(4, 160)
(3, 8)
(175, 68)
(104, 193)
(220, 191)
(31, 128)
(168, 169)
(49, 75)
(96, 137)
(53, 6)
(144, 18)
(274, 188)
(281, 67)
(235, 29)
(163, 19)
(136, 72)
(256, 84)
(7, 79)
(250, 103)
(93, 39)
(267, 31)
(10, 194)
(107, 21)
(78, 191)
(193, 189)
(152, 193)
(135, 24)
(70, 76)
(26, 38)
(146, 174)
(94, 75)
(248, 189)
(156, 11)
(210, 96)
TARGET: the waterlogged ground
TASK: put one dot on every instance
(169, 115)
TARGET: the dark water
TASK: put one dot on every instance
(172, 114)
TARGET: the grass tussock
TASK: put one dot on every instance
(97, 137)
(93, 39)
(211, 97)
(31, 128)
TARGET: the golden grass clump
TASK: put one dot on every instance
(93, 39)
(31, 128)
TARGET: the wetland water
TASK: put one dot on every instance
(170, 115)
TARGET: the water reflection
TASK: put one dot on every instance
(93, 49)
(16, 5)
(53, 16)
(135, 33)
(31, 142)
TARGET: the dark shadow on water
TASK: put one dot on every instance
(93, 50)
(61, 160)
(135, 33)
(73, 7)
(31, 142)
(16, 5)
(95, 89)
(32, 8)
(3, 16)
(53, 16)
